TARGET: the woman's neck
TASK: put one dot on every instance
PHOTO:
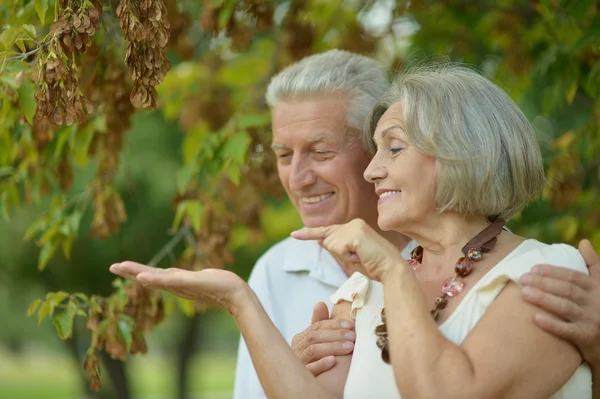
(444, 236)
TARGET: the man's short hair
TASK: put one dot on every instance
(488, 161)
(360, 78)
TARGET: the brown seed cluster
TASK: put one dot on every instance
(92, 369)
(146, 28)
(144, 307)
(109, 210)
(241, 23)
(108, 90)
(59, 96)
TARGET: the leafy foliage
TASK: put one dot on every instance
(73, 72)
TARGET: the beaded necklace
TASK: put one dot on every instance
(473, 251)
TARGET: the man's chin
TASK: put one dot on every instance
(316, 221)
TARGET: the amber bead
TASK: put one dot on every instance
(382, 342)
(463, 267)
(417, 254)
(474, 254)
(441, 302)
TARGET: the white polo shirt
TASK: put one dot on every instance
(289, 279)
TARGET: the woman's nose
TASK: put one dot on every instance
(375, 171)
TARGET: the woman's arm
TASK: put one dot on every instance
(505, 355)
(279, 371)
(334, 379)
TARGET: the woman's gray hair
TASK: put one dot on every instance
(488, 161)
(361, 78)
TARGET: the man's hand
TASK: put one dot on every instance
(572, 296)
(317, 346)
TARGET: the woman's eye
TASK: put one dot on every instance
(396, 150)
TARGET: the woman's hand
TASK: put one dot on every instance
(357, 244)
(213, 287)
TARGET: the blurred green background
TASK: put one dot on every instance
(545, 53)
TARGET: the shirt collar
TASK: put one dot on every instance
(309, 257)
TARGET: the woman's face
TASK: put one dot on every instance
(404, 178)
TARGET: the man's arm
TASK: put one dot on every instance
(575, 298)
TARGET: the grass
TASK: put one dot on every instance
(57, 377)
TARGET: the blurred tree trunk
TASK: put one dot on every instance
(185, 354)
(118, 376)
(76, 355)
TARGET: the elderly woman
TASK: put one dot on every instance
(455, 158)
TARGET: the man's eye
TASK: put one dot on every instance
(282, 156)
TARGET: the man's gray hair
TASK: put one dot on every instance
(362, 79)
(488, 161)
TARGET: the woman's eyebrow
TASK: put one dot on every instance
(389, 129)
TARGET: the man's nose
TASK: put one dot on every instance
(301, 176)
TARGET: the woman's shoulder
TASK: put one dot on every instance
(354, 290)
(559, 254)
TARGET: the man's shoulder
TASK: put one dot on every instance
(287, 252)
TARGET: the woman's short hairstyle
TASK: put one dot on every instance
(488, 161)
(362, 79)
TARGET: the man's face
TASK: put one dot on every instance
(321, 162)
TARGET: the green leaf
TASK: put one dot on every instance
(50, 234)
(17, 66)
(184, 176)
(186, 306)
(83, 139)
(63, 322)
(73, 221)
(124, 328)
(4, 210)
(8, 36)
(43, 312)
(253, 121)
(57, 297)
(33, 307)
(27, 99)
(41, 6)
(35, 228)
(82, 297)
(67, 244)
(46, 254)
(234, 173)
(236, 147)
(10, 81)
(194, 210)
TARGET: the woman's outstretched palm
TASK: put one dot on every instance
(212, 287)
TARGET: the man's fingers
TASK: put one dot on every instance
(558, 306)
(316, 352)
(562, 273)
(554, 286)
(560, 328)
(321, 365)
(320, 312)
(591, 257)
(337, 324)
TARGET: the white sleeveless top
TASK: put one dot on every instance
(370, 377)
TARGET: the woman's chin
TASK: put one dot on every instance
(386, 223)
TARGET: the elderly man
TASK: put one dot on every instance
(318, 107)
